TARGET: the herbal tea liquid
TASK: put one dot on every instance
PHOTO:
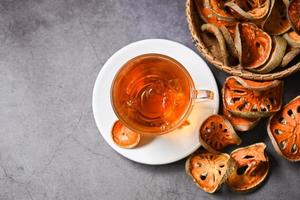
(152, 93)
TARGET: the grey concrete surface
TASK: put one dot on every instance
(50, 54)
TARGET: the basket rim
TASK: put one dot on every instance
(230, 70)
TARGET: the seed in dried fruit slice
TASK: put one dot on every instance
(124, 137)
(229, 41)
(253, 45)
(252, 10)
(217, 33)
(279, 45)
(216, 133)
(291, 53)
(294, 14)
(240, 123)
(276, 22)
(252, 99)
(208, 16)
(251, 170)
(284, 130)
(292, 38)
(209, 170)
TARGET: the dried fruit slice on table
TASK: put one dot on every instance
(251, 10)
(252, 99)
(279, 45)
(216, 133)
(292, 38)
(252, 167)
(284, 130)
(253, 45)
(217, 33)
(290, 54)
(294, 14)
(209, 170)
(208, 16)
(124, 137)
(240, 123)
(276, 22)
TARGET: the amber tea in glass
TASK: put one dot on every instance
(153, 94)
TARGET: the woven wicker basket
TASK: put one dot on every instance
(207, 45)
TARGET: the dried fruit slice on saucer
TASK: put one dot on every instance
(292, 38)
(294, 14)
(284, 130)
(240, 123)
(252, 167)
(276, 22)
(252, 99)
(216, 133)
(209, 170)
(253, 45)
(124, 137)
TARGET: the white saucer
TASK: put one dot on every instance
(170, 147)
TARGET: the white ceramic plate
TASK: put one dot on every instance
(175, 145)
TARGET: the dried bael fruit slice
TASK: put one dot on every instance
(279, 45)
(289, 56)
(277, 22)
(229, 41)
(251, 170)
(208, 16)
(292, 38)
(253, 45)
(284, 130)
(219, 10)
(252, 10)
(216, 133)
(240, 123)
(124, 137)
(294, 14)
(252, 99)
(217, 33)
(209, 170)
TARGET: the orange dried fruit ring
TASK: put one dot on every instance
(209, 170)
(276, 22)
(124, 137)
(253, 45)
(284, 130)
(252, 99)
(252, 167)
(294, 14)
(279, 45)
(208, 16)
(216, 133)
(240, 123)
(293, 39)
(251, 10)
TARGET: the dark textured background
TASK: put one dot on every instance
(50, 148)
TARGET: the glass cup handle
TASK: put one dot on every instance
(202, 95)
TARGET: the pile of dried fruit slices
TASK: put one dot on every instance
(256, 35)
(245, 102)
